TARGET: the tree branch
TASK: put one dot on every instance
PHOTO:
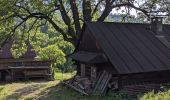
(86, 10)
(142, 10)
(66, 19)
(21, 7)
(64, 15)
(11, 16)
(109, 8)
(96, 7)
(75, 16)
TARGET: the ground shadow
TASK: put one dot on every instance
(25, 90)
(59, 92)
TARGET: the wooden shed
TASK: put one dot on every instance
(130, 57)
(24, 67)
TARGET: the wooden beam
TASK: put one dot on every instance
(27, 67)
(73, 87)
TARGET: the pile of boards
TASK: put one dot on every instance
(80, 84)
(86, 86)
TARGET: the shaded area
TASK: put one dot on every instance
(61, 92)
(54, 90)
(24, 91)
(18, 90)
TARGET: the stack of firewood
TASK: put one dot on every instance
(81, 83)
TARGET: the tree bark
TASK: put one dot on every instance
(86, 10)
(75, 13)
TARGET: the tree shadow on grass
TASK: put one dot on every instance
(58, 92)
(24, 91)
(61, 92)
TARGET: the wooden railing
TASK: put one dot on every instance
(30, 63)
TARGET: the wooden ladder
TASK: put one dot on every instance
(102, 83)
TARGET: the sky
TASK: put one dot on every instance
(132, 11)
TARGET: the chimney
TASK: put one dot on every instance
(156, 25)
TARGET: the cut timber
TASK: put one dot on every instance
(73, 87)
(81, 83)
(102, 83)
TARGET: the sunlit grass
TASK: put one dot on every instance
(165, 95)
(63, 76)
(29, 89)
(53, 90)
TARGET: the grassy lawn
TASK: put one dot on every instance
(53, 90)
(44, 91)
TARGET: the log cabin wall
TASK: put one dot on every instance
(86, 70)
(154, 77)
(25, 66)
(16, 68)
(136, 84)
(90, 71)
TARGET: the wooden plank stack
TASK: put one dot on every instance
(81, 83)
(102, 83)
(85, 86)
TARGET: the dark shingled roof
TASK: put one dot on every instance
(88, 57)
(132, 48)
(6, 53)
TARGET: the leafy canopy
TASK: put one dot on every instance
(67, 16)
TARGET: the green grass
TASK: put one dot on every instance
(47, 90)
(165, 95)
(53, 90)
(63, 76)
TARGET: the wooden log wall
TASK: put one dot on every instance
(140, 84)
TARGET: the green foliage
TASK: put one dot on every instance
(156, 96)
(51, 90)
(19, 49)
(66, 17)
(39, 40)
(51, 46)
(53, 53)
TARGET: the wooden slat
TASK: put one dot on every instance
(134, 90)
(73, 87)
(102, 83)
(27, 67)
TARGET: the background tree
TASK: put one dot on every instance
(67, 16)
(48, 46)
(51, 46)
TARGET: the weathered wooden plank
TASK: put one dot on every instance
(73, 87)
(102, 83)
(27, 67)
(99, 81)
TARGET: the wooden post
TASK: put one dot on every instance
(82, 70)
(93, 75)
(12, 75)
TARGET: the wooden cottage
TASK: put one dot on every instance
(24, 67)
(130, 57)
